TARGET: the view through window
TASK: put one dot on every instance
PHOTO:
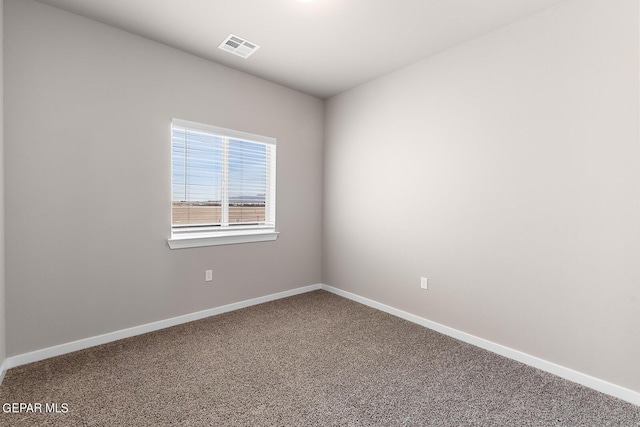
(221, 179)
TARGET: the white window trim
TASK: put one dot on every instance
(196, 240)
(200, 237)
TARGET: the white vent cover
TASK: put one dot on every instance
(238, 46)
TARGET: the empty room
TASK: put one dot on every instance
(320, 212)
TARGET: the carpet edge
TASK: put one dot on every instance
(586, 380)
(81, 344)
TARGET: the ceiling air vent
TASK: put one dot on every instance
(238, 46)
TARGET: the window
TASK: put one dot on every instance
(223, 186)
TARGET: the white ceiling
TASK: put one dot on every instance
(321, 48)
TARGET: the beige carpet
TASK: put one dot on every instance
(313, 359)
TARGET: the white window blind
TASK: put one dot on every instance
(222, 179)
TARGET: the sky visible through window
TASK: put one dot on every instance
(198, 169)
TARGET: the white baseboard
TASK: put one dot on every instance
(34, 356)
(4, 367)
(561, 371)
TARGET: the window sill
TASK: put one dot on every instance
(195, 240)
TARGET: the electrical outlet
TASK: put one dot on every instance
(424, 283)
(208, 275)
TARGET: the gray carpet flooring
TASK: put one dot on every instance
(310, 360)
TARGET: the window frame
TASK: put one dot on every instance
(186, 236)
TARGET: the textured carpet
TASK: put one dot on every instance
(312, 359)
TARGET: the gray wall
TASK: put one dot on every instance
(2, 275)
(506, 170)
(88, 112)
